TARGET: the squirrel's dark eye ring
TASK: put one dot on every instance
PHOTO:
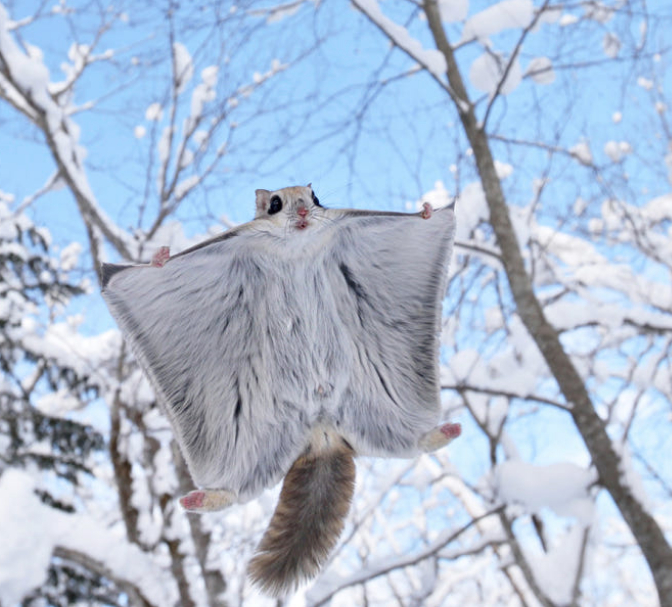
(316, 200)
(275, 206)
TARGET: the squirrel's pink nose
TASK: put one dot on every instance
(302, 211)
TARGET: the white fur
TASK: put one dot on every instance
(256, 337)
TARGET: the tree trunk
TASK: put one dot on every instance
(215, 584)
(644, 527)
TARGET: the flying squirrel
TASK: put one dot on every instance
(287, 346)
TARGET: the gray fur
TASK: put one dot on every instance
(255, 337)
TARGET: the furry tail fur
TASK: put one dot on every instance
(308, 520)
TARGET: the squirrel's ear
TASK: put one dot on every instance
(263, 199)
(316, 200)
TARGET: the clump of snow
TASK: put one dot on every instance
(494, 319)
(28, 71)
(64, 343)
(616, 150)
(581, 151)
(630, 477)
(163, 146)
(60, 8)
(498, 409)
(23, 560)
(507, 14)
(69, 256)
(203, 93)
(556, 570)
(187, 158)
(6, 197)
(561, 487)
(31, 531)
(279, 13)
(34, 52)
(79, 57)
(503, 169)
(645, 83)
(184, 66)
(453, 11)
(599, 12)
(200, 138)
(471, 210)
(580, 205)
(432, 59)
(58, 403)
(209, 75)
(659, 208)
(154, 112)
(487, 71)
(186, 185)
(616, 117)
(611, 45)
(540, 69)
(551, 14)
(568, 19)
(139, 131)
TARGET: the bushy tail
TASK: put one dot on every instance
(307, 522)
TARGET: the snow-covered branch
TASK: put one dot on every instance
(321, 595)
(26, 521)
(430, 60)
(25, 83)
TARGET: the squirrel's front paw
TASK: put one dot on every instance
(427, 210)
(160, 257)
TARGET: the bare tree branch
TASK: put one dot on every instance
(137, 596)
(649, 535)
(433, 549)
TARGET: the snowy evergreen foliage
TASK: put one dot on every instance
(35, 290)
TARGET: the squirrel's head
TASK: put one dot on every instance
(295, 208)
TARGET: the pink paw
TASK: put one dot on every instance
(427, 210)
(451, 431)
(160, 257)
(193, 500)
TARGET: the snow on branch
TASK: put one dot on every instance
(32, 532)
(81, 56)
(25, 83)
(176, 153)
(507, 14)
(53, 182)
(431, 60)
(322, 593)
(277, 13)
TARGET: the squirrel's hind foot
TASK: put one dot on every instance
(207, 500)
(439, 437)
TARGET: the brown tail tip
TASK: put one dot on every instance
(307, 521)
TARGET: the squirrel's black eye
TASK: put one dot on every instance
(316, 200)
(275, 206)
